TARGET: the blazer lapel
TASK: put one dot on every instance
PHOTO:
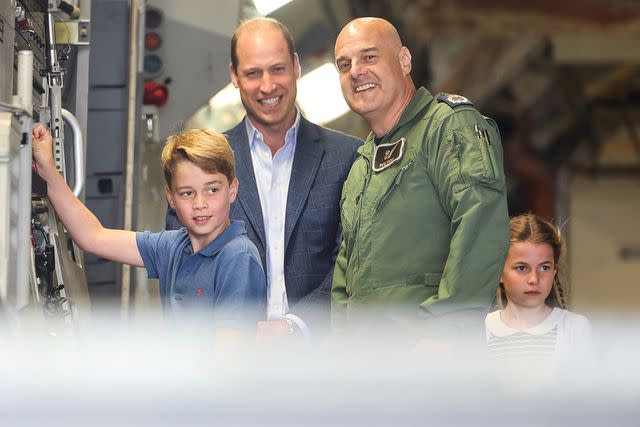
(306, 161)
(248, 195)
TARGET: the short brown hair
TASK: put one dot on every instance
(207, 149)
(531, 228)
(273, 23)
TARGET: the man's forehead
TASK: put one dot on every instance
(368, 33)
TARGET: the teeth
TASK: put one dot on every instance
(201, 218)
(365, 87)
(271, 101)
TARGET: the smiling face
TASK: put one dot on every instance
(266, 76)
(201, 201)
(528, 274)
(374, 70)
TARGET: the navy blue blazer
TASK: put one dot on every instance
(321, 164)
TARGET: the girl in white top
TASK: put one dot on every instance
(532, 329)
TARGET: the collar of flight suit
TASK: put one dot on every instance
(418, 102)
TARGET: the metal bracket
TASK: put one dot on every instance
(73, 32)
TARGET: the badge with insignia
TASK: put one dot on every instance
(387, 154)
(454, 100)
(482, 133)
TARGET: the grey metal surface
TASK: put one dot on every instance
(7, 35)
(10, 211)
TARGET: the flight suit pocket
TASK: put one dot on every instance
(346, 213)
(395, 182)
(479, 156)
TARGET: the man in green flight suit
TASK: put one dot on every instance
(424, 212)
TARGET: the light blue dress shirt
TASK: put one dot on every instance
(273, 174)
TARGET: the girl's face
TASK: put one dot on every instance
(528, 274)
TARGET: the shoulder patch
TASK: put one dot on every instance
(454, 100)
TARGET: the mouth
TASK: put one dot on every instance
(201, 219)
(532, 293)
(364, 87)
(270, 102)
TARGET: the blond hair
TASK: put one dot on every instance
(207, 149)
(531, 228)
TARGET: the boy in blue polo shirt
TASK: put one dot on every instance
(208, 267)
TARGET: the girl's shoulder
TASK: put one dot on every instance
(569, 319)
(495, 326)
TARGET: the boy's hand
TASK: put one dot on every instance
(42, 150)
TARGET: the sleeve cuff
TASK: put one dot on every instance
(304, 329)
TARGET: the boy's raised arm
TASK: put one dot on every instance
(85, 229)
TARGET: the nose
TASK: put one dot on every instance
(199, 202)
(533, 277)
(356, 69)
(267, 84)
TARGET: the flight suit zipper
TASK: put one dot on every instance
(359, 201)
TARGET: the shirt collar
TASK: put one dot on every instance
(418, 102)
(501, 329)
(235, 229)
(254, 134)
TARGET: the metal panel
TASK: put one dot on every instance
(7, 36)
(105, 144)
(109, 38)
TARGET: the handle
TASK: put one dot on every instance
(78, 156)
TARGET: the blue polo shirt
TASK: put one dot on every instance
(224, 278)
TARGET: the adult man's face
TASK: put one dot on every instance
(266, 77)
(371, 68)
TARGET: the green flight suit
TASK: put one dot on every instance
(432, 229)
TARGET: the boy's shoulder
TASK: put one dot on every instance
(236, 241)
(239, 244)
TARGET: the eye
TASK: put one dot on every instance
(520, 268)
(213, 190)
(252, 74)
(546, 268)
(185, 193)
(279, 69)
(369, 58)
(343, 65)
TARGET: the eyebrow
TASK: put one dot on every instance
(189, 187)
(365, 50)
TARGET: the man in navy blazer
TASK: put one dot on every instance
(274, 146)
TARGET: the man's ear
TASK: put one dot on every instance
(405, 60)
(233, 75)
(167, 192)
(296, 65)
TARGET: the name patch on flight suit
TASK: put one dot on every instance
(387, 154)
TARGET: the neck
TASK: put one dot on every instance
(383, 122)
(520, 318)
(273, 134)
(198, 244)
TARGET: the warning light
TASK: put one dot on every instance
(155, 94)
(153, 61)
(152, 41)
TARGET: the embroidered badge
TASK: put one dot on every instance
(454, 100)
(482, 133)
(387, 154)
(199, 292)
